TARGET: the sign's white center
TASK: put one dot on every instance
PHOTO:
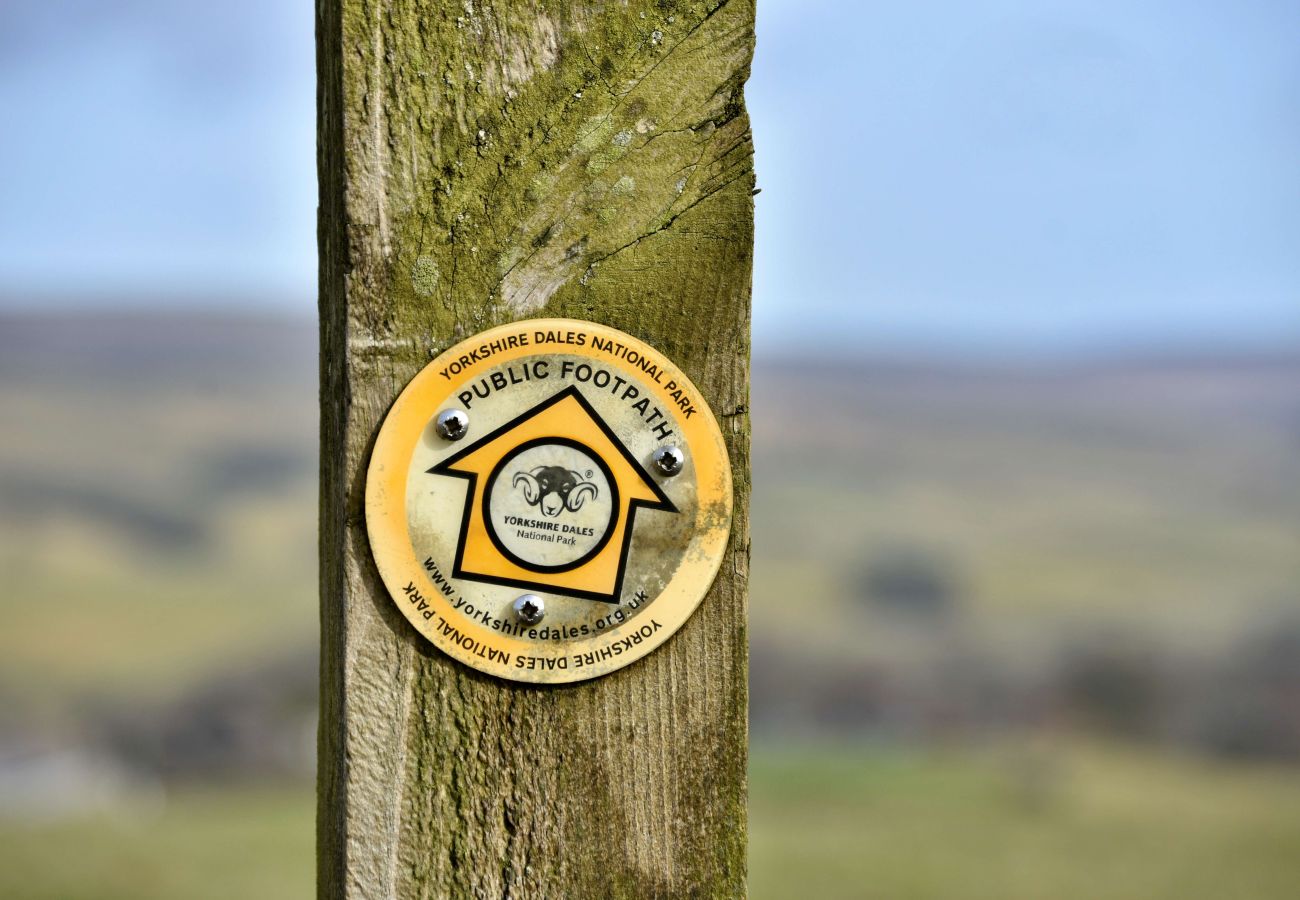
(550, 505)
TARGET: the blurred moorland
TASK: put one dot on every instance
(1018, 630)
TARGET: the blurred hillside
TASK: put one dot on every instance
(157, 537)
(985, 579)
(1111, 546)
(938, 550)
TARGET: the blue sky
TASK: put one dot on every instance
(997, 176)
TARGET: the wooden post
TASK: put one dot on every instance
(482, 162)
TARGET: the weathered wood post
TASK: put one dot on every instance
(482, 163)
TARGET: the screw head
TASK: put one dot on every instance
(452, 424)
(529, 608)
(668, 460)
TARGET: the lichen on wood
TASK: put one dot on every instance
(479, 163)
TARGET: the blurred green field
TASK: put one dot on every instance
(1062, 822)
(1065, 821)
(204, 844)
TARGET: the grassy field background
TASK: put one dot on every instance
(830, 822)
(1018, 632)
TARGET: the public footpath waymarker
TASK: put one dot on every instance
(536, 243)
(571, 518)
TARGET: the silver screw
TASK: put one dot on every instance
(452, 424)
(530, 608)
(668, 460)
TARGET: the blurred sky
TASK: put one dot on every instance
(1010, 176)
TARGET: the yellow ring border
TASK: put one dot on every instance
(395, 557)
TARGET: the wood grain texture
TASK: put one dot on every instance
(480, 163)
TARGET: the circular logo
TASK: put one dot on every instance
(550, 505)
(549, 501)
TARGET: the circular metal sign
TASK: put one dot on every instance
(549, 501)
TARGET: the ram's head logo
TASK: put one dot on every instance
(553, 489)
